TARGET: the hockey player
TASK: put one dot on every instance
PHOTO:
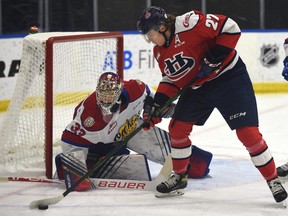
(105, 118)
(283, 170)
(190, 45)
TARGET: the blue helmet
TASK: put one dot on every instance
(151, 18)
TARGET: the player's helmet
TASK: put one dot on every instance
(151, 18)
(108, 91)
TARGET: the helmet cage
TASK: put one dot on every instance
(108, 91)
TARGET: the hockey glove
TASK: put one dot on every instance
(210, 64)
(148, 109)
(285, 69)
(213, 59)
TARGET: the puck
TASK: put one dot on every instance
(43, 207)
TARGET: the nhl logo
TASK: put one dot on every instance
(269, 55)
(89, 122)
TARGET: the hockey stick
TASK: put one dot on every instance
(101, 183)
(180, 92)
(29, 179)
(54, 200)
(114, 184)
(135, 184)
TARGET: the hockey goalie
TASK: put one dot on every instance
(103, 120)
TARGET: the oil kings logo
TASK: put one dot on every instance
(269, 55)
(128, 127)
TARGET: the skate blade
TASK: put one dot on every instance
(171, 194)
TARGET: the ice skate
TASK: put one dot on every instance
(278, 190)
(173, 186)
(283, 170)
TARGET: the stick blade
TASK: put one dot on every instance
(165, 171)
(49, 201)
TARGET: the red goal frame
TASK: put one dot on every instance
(49, 83)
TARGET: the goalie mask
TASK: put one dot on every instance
(108, 91)
(151, 18)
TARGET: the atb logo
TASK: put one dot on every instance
(178, 67)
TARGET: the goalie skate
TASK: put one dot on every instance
(171, 194)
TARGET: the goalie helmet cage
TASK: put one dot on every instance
(57, 71)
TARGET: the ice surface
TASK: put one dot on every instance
(234, 187)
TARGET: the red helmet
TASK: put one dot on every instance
(108, 91)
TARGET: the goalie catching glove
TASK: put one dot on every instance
(151, 106)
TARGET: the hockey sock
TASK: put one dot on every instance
(258, 150)
(180, 145)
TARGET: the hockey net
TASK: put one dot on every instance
(57, 71)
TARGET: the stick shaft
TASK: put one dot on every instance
(28, 179)
(180, 92)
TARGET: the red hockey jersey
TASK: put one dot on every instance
(195, 34)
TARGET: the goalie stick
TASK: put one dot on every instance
(29, 179)
(101, 183)
(136, 184)
(115, 184)
(54, 200)
(180, 92)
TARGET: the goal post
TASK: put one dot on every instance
(57, 71)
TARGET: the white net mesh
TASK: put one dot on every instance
(77, 65)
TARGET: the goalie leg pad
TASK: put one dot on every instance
(72, 169)
(132, 167)
(59, 169)
(154, 143)
(199, 163)
(98, 152)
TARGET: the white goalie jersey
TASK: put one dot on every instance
(90, 127)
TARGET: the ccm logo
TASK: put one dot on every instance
(237, 115)
(115, 184)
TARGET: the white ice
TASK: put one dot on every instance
(234, 187)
